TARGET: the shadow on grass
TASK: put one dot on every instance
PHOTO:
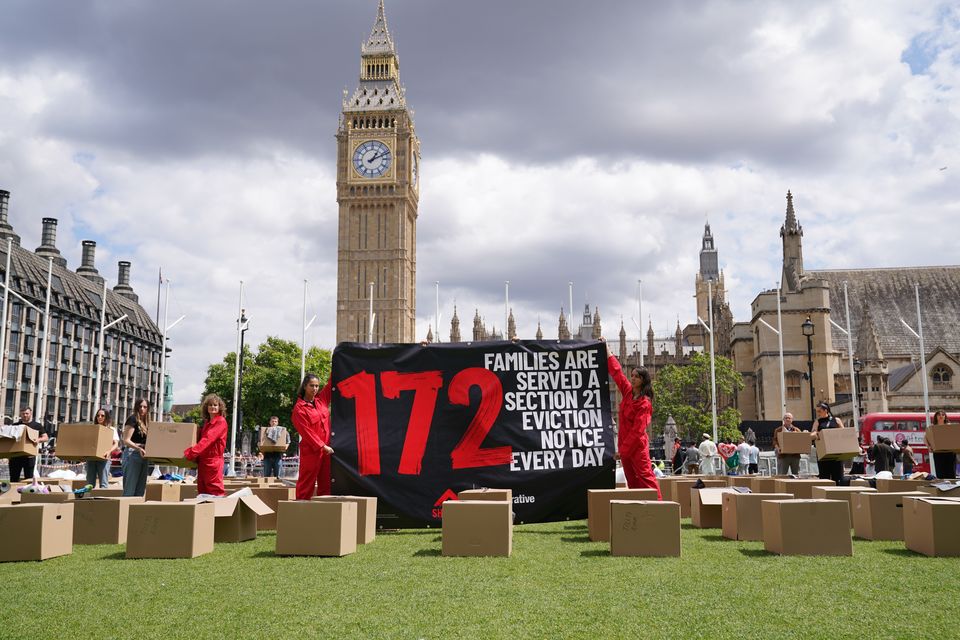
(406, 532)
(265, 554)
(427, 553)
(573, 527)
(903, 553)
(575, 539)
(713, 537)
(552, 532)
(757, 553)
(116, 555)
(689, 526)
(595, 553)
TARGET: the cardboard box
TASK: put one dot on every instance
(265, 445)
(366, 515)
(644, 528)
(837, 444)
(841, 493)
(272, 497)
(167, 440)
(879, 516)
(169, 530)
(740, 481)
(942, 489)
(801, 488)
(235, 516)
(84, 442)
(163, 492)
(316, 528)
(681, 492)
(742, 518)
(895, 485)
(931, 526)
(35, 531)
(598, 508)
(944, 437)
(706, 507)
(47, 498)
(807, 527)
(25, 445)
(794, 442)
(477, 528)
(486, 494)
(106, 493)
(73, 483)
(101, 520)
(668, 483)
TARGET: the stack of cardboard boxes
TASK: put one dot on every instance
(478, 523)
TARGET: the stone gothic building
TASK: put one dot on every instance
(378, 191)
(890, 377)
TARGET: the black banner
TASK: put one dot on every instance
(413, 425)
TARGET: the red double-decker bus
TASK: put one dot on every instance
(899, 427)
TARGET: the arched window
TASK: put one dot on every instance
(942, 377)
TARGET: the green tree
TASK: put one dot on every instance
(684, 393)
(271, 377)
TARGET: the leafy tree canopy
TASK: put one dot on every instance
(684, 393)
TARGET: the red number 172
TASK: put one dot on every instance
(361, 387)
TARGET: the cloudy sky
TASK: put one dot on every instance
(584, 142)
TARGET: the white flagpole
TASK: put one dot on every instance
(303, 336)
(3, 312)
(853, 377)
(236, 387)
(98, 370)
(506, 307)
(570, 310)
(640, 318)
(436, 319)
(42, 376)
(370, 324)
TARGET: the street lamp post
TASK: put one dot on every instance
(808, 330)
(857, 368)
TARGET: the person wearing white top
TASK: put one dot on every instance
(743, 453)
(708, 451)
(99, 470)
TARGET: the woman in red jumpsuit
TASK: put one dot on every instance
(208, 452)
(636, 410)
(311, 418)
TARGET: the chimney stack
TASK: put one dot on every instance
(88, 269)
(6, 231)
(123, 287)
(48, 243)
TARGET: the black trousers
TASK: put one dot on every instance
(21, 465)
(830, 470)
(945, 461)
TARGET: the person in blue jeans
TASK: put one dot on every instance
(135, 469)
(100, 469)
(272, 460)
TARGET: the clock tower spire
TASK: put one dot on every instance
(378, 157)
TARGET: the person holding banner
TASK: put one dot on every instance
(208, 452)
(636, 410)
(311, 418)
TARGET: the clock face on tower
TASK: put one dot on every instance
(372, 159)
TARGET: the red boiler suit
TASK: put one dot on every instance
(632, 442)
(208, 452)
(312, 422)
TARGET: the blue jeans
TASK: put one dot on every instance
(271, 465)
(135, 471)
(98, 470)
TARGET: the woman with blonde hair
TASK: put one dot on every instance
(135, 439)
(208, 452)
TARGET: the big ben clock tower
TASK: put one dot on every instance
(378, 158)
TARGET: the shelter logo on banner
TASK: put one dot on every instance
(413, 422)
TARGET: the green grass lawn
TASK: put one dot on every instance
(556, 584)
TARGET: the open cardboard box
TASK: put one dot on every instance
(706, 507)
(266, 445)
(235, 515)
(25, 445)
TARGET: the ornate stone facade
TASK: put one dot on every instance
(378, 190)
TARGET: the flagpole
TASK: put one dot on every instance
(236, 386)
(42, 377)
(3, 312)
